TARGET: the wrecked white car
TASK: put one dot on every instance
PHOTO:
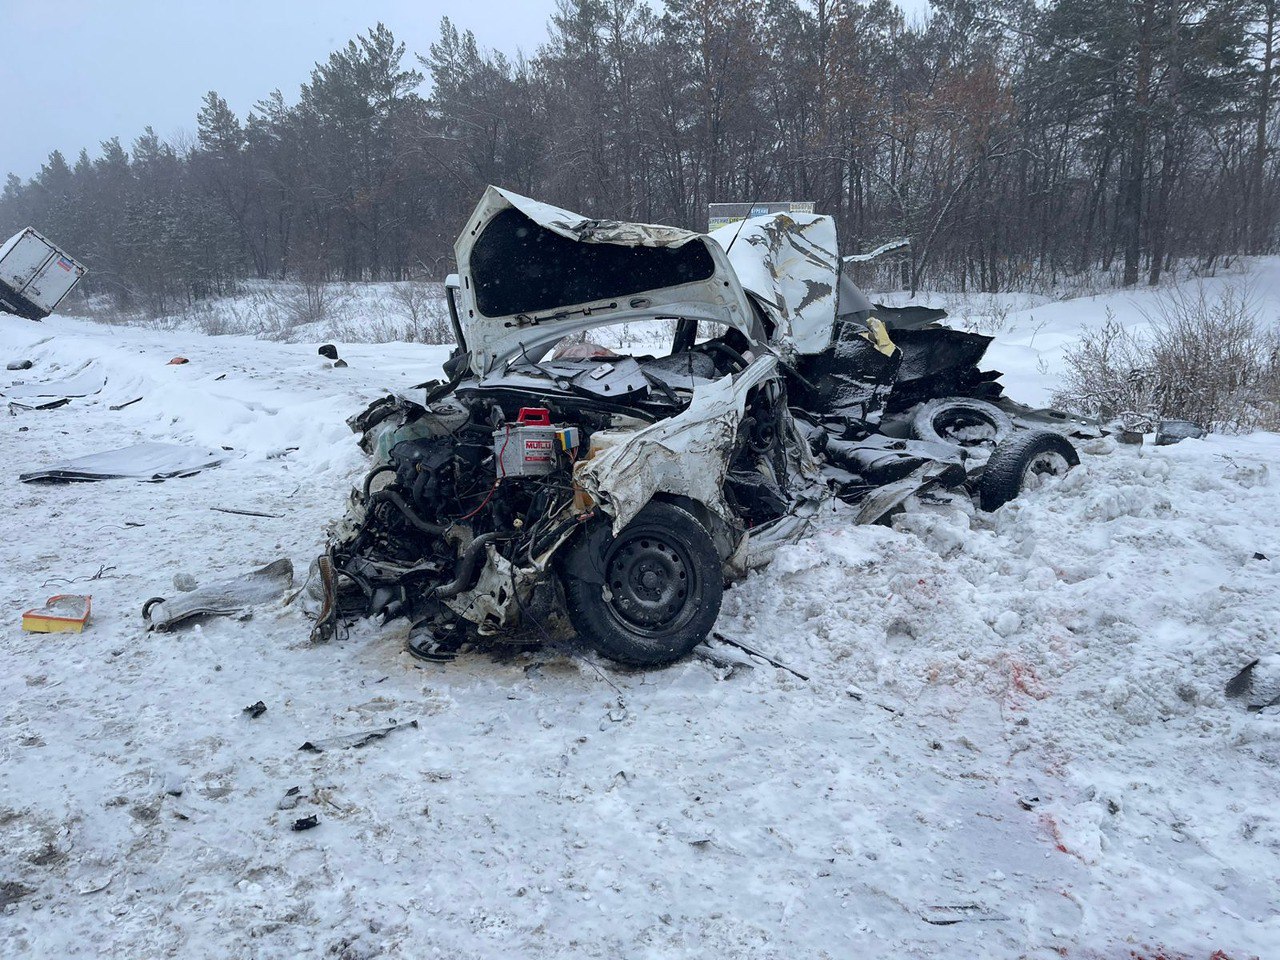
(549, 473)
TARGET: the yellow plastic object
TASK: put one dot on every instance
(65, 613)
(878, 334)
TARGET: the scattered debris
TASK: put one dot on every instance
(98, 887)
(723, 659)
(248, 513)
(427, 647)
(291, 799)
(255, 710)
(85, 382)
(946, 915)
(141, 461)
(18, 365)
(1174, 431)
(99, 575)
(306, 823)
(184, 582)
(354, 739)
(127, 403)
(862, 697)
(756, 653)
(177, 361)
(53, 404)
(1258, 684)
(12, 892)
(330, 352)
(175, 784)
(225, 598)
(65, 613)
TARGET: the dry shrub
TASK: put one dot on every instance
(425, 311)
(1206, 358)
(311, 300)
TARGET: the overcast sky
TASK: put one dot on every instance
(76, 72)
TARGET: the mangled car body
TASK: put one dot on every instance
(626, 490)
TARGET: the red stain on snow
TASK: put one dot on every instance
(1024, 681)
(1051, 826)
(1155, 953)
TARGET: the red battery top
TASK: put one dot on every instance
(534, 417)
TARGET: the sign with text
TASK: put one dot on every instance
(719, 214)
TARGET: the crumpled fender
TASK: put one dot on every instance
(686, 455)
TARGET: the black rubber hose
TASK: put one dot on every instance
(467, 566)
(419, 482)
(368, 481)
(725, 351)
(393, 498)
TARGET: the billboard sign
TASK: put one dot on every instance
(720, 214)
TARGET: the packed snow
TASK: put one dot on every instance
(1014, 741)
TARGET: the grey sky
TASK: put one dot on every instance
(87, 70)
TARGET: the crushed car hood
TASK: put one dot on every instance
(791, 263)
(531, 273)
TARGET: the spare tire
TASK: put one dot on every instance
(658, 589)
(1022, 463)
(961, 421)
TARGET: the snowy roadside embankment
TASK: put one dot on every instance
(1014, 744)
(1033, 333)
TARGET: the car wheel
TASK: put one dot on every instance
(961, 421)
(661, 590)
(1022, 463)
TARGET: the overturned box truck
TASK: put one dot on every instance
(35, 275)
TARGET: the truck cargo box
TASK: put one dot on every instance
(35, 275)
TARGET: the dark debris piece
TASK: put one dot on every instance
(292, 797)
(306, 823)
(1174, 431)
(12, 891)
(256, 710)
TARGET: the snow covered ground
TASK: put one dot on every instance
(1014, 742)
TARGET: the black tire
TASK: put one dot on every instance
(961, 421)
(1017, 462)
(657, 591)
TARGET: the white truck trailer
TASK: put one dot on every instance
(35, 275)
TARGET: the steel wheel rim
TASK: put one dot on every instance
(1043, 466)
(651, 583)
(948, 426)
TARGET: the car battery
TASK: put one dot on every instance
(526, 448)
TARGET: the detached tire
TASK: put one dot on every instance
(961, 421)
(662, 588)
(1022, 463)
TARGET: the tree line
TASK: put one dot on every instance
(1016, 142)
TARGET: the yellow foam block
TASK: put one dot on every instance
(65, 613)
